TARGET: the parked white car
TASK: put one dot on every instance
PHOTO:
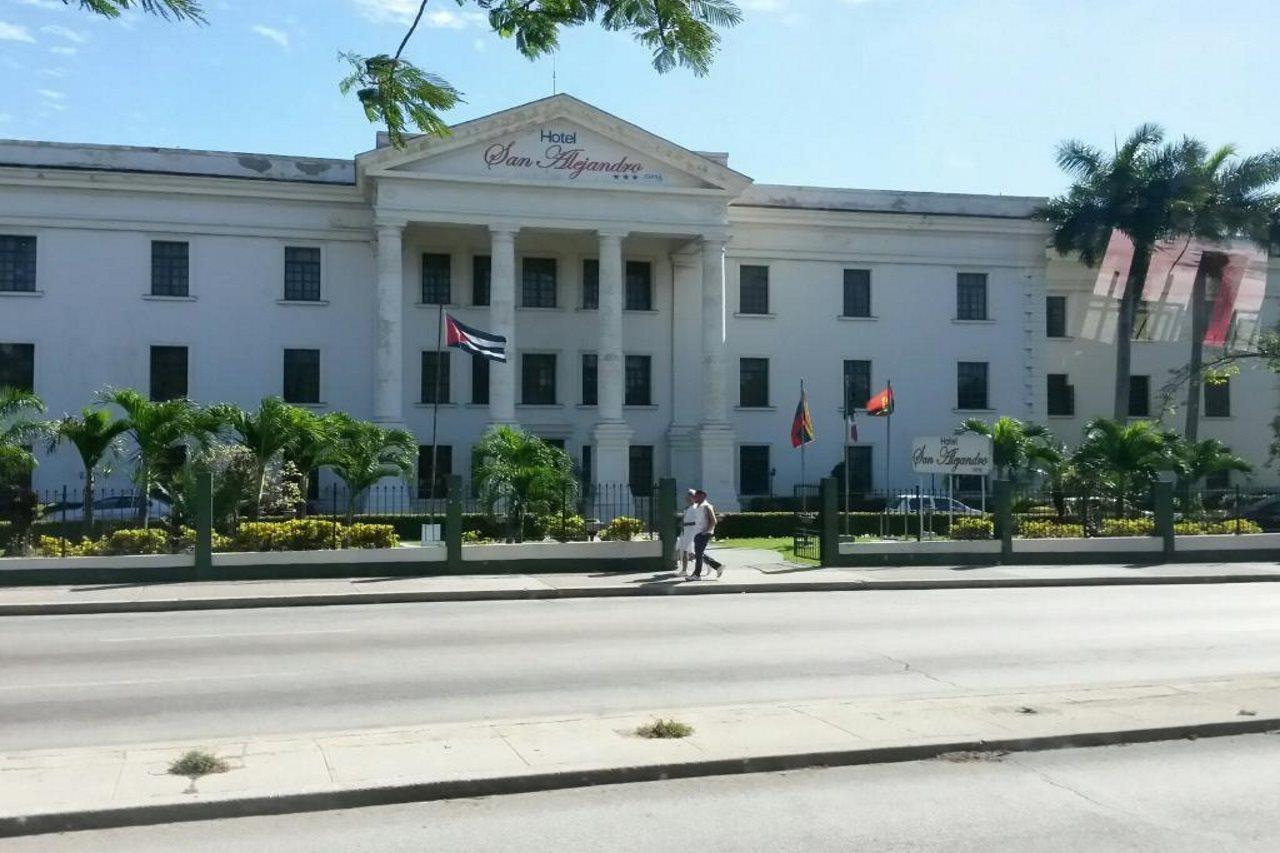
(115, 508)
(940, 504)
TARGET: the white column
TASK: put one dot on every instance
(612, 436)
(388, 353)
(686, 369)
(715, 437)
(502, 321)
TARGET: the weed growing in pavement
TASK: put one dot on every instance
(196, 763)
(665, 729)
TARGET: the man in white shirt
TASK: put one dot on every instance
(688, 527)
(704, 529)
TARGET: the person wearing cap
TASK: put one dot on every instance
(688, 527)
(704, 528)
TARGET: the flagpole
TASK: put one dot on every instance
(435, 411)
(804, 501)
(888, 440)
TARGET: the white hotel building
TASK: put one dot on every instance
(662, 308)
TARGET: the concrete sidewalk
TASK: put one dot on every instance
(48, 791)
(748, 571)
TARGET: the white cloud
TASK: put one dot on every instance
(64, 51)
(43, 4)
(280, 37)
(65, 33)
(51, 94)
(54, 72)
(402, 12)
(14, 32)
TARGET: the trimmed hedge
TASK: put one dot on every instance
(973, 528)
(751, 525)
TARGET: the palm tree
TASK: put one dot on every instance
(1195, 460)
(1234, 199)
(1052, 459)
(266, 434)
(157, 429)
(363, 453)
(1148, 191)
(311, 445)
(1125, 456)
(523, 471)
(18, 431)
(94, 434)
(1010, 441)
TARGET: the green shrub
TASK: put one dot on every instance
(569, 528)
(1219, 527)
(973, 528)
(1040, 529)
(1127, 527)
(622, 529)
(474, 537)
(371, 536)
(665, 730)
(197, 763)
(301, 534)
(130, 542)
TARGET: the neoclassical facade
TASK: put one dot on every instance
(661, 309)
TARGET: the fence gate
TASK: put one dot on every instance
(807, 535)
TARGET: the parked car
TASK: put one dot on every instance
(1265, 511)
(115, 508)
(931, 503)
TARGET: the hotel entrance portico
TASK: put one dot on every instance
(603, 248)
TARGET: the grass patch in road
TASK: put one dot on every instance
(196, 763)
(784, 545)
(665, 730)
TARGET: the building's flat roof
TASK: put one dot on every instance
(318, 170)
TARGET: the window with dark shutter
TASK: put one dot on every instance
(437, 279)
(18, 366)
(538, 379)
(590, 379)
(971, 296)
(438, 472)
(301, 274)
(170, 268)
(1217, 399)
(753, 469)
(1139, 396)
(637, 369)
(753, 290)
(168, 373)
(538, 283)
(857, 384)
(481, 273)
(640, 469)
(1055, 316)
(971, 385)
(1062, 395)
(302, 376)
(479, 381)
(591, 284)
(857, 293)
(639, 295)
(435, 377)
(860, 471)
(17, 263)
(753, 383)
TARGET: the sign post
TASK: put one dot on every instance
(952, 455)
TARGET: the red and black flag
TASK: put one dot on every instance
(802, 425)
(881, 405)
(474, 341)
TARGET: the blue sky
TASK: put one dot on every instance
(947, 95)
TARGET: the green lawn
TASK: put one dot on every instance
(784, 545)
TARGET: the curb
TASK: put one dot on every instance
(647, 589)
(92, 819)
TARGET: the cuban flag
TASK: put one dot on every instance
(474, 341)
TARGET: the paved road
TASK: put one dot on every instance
(1220, 794)
(98, 680)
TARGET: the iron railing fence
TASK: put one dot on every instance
(1237, 509)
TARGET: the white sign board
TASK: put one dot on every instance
(952, 454)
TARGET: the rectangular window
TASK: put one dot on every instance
(170, 268)
(538, 283)
(587, 472)
(301, 274)
(971, 385)
(481, 275)
(435, 377)
(753, 383)
(1062, 396)
(538, 379)
(753, 469)
(1055, 316)
(971, 296)
(590, 379)
(857, 384)
(1139, 396)
(640, 469)
(1218, 481)
(17, 263)
(590, 284)
(302, 376)
(439, 472)
(1143, 323)
(859, 461)
(18, 366)
(437, 279)
(637, 369)
(479, 381)
(857, 293)
(1217, 399)
(168, 373)
(753, 290)
(639, 295)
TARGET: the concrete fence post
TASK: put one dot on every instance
(665, 517)
(453, 522)
(1162, 506)
(829, 522)
(1002, 491)
(204, 525)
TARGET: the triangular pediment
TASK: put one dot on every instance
(558, 140)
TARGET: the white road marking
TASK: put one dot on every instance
(137, 681)
(220, 636)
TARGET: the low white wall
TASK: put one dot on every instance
(1229, 542)
(937, 546)
(142, 561)
(345, 556)
(563, 551)
(1109, 545)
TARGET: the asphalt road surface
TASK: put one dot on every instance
(129, 678)
(1218, 794)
